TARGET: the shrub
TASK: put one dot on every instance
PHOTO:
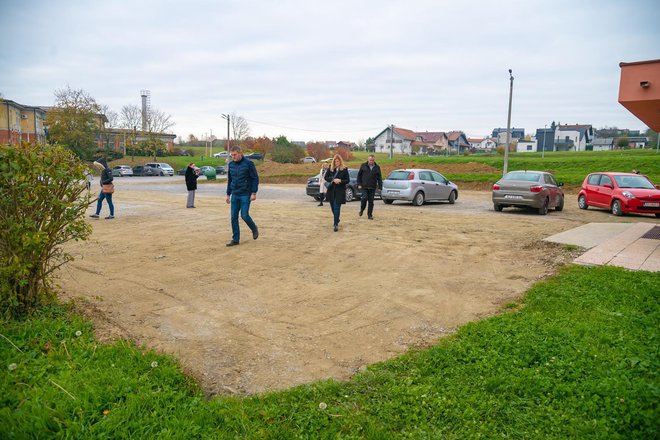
(42, 202)
(345, 153)
(287, 152)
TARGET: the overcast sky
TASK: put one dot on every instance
(334, 69)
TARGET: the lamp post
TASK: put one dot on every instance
(543, 147)
(508, 127)
(227, 116)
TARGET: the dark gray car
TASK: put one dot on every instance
(532, 189)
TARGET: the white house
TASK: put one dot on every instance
(524, 146)
(603, 144)
(482, 144)
(400, 140)
(573, 137)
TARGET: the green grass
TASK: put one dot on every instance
(577, 358)
(569, 167)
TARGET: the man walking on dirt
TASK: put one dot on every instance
(369, 179)
(242, 186)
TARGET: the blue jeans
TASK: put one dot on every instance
(108, 197)
(240, 204)
(336, 210)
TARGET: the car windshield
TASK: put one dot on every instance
(522, 175)
(398, 175)
(633, 182)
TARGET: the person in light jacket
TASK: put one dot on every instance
(322, 189)
(106, 179)
(192, 174)
(338, 177)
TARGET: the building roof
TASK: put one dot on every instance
(430, 136)
(405, 133)
(603, 141)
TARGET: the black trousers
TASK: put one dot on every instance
(368, 195)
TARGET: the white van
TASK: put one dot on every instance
(165, 169)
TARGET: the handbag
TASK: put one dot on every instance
(327, 184)
(108, 188)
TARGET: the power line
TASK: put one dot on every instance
(305, 129)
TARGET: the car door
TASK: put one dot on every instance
(552, 188)
(431, 187)
(443, 187)
(603, 193)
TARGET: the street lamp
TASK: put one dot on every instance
(227, 116)
(508, 127)
(545, 127)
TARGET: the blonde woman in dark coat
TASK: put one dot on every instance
(337, 178)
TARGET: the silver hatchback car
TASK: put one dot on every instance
(418, 186)
(533, 189)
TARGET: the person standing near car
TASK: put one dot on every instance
(336, 178)
(106, 179)
(322, 187)
(242, 186)
(369, 179)
(192, 174)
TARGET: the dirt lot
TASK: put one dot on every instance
(302, 303)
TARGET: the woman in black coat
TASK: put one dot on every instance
(191, 184)
(336, 179)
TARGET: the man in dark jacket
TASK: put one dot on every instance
(369, 179)
(242, 186)
(191, 184)
(106, 179)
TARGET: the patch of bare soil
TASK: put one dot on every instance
(302, 302)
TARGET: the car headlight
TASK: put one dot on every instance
(628, 195)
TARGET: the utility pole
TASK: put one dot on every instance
(508, 128)
(543, 148)
(391, 141)
(227, 116)
(211, 146)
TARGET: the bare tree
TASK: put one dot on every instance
(240, 127)
(111, 115)
(158, 122)
(130, 117)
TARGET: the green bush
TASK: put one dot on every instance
(287, 152)
(42, 202)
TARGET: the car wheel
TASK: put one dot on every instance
(616, 208)
(161, 174)
(418, 200)
(390, 201)
(582, 202)
(349, 194)
(657, 215)
(560, 204)
(497, 207)
(452, 197)
(543, 210)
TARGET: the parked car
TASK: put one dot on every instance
(352, 190)
(162, 168)
(255, 156)
(181, 171)
(532, 189)
(122, 171)
(418, 186)
(222, 154)
(220, 170)
(621, 193)
(138, 170)
(308, 159)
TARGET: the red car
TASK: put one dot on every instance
(621, 193)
